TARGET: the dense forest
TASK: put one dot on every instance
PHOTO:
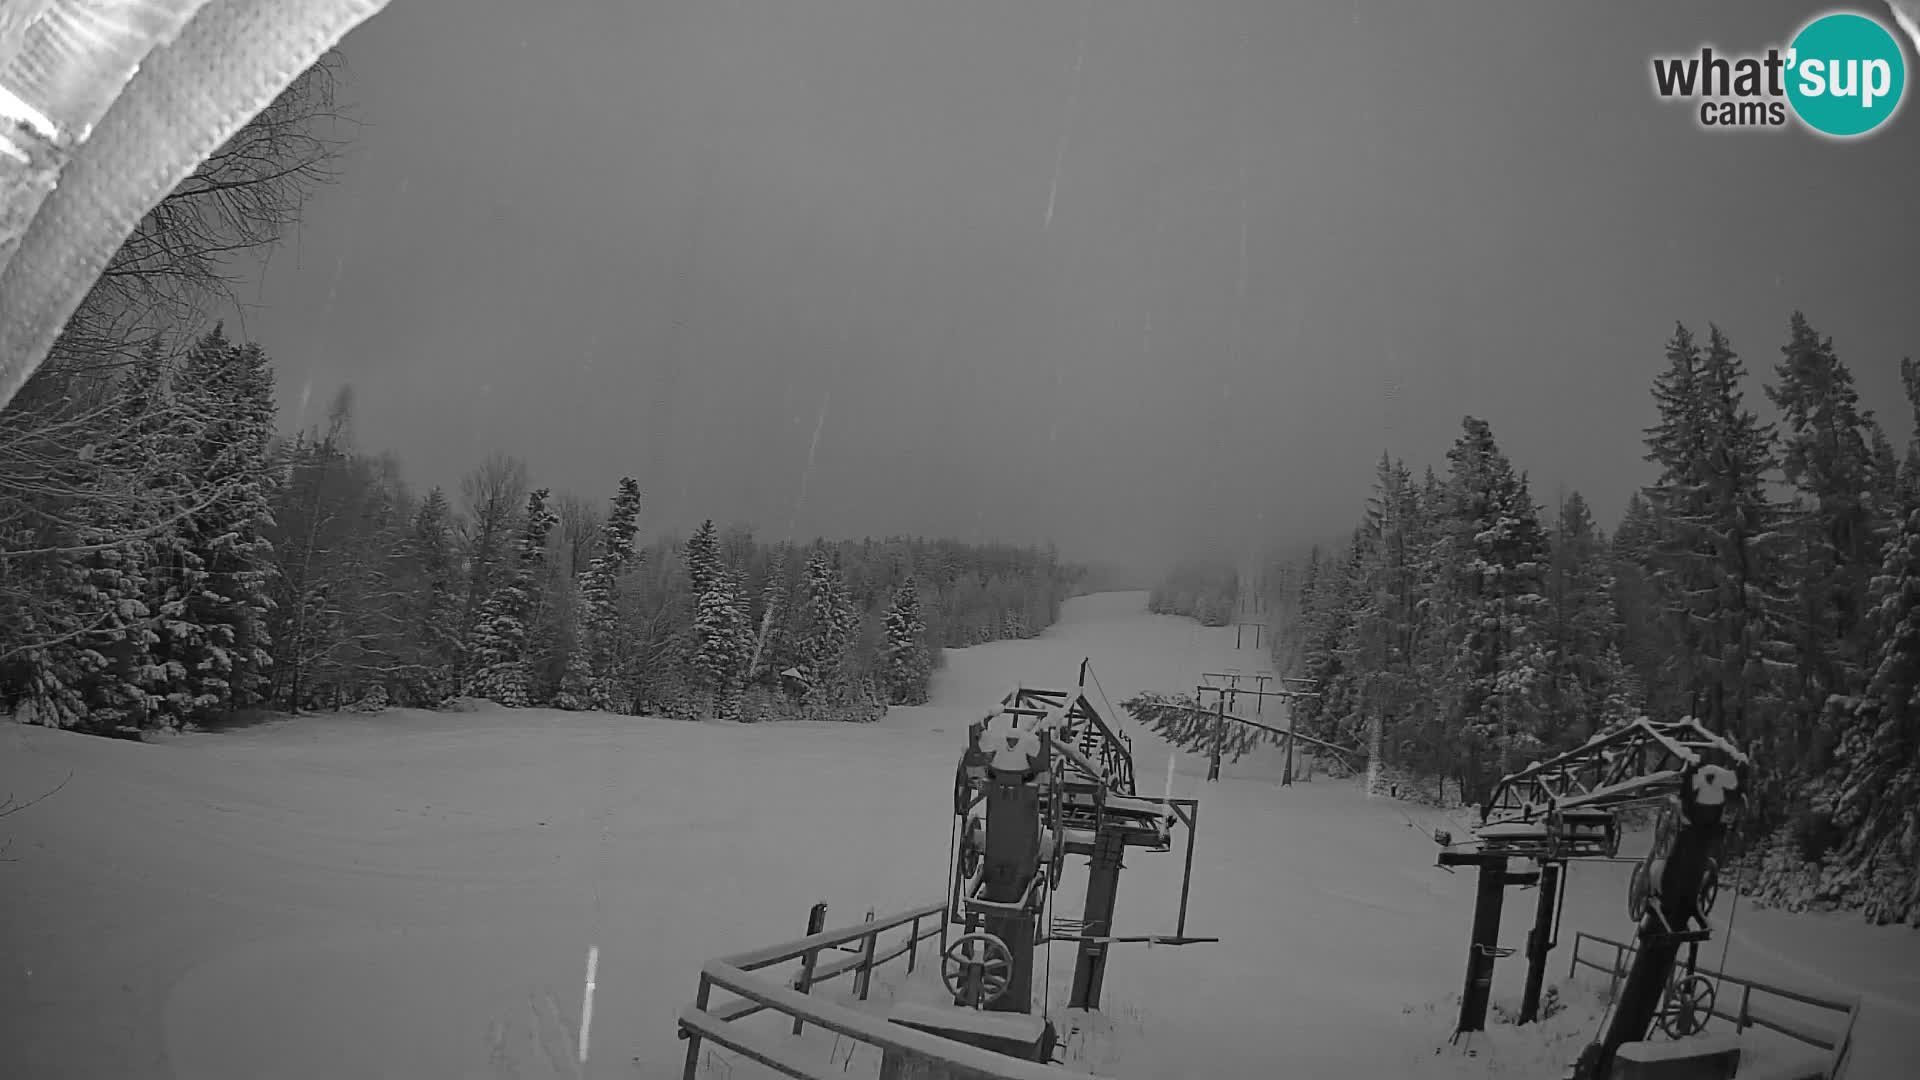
(1197, 588)
(179, 562)
(1767, 582)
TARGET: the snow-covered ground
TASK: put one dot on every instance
(414, 895)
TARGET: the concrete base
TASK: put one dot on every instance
(1017, 1035)
(1698, 1057)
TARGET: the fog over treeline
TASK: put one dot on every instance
(1139, 278)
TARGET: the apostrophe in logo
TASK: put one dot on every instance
(1848, 74)
(1843, 75)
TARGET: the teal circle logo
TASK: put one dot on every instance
(1847, 74)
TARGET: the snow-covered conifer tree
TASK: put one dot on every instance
(231, 386)
(826, 629)
(1827, 452)
(591, 678)
(905, 663)
(1495, 680)
(723, 636)
(703, 559)
(435, 601)
(1718, 556)
(502, 675)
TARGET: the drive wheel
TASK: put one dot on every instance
(977, 969)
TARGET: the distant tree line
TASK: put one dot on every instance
(1767, 583)
(166, 560)
(1198, 588)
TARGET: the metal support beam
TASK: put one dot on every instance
(1012, 854)
(1103, 886)
(1186, 876)
(1544, 936)
(1219, 736)
(1482, 953)
(1221, 716)
(1286, 774)
(1669, 921)
(1484, 948)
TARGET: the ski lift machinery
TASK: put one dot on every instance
(1567, 808)
(1045, 776)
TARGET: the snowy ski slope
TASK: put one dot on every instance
(414, 895)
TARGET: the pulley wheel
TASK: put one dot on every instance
(1687, 1008)
(1709, 887)
(977, 969)
(969, 854)
(1057, 865)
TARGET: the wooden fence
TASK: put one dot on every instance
(1834, 1041)
(744, 976)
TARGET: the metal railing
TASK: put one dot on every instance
(1837, 1044)
(742, 975)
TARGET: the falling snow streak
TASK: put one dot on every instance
(1050, 486)
(1158, 213)
(938, 442)
(1064, 296)
(699, 450)
(1063, 337)
(813, 447)
(1240, 293)
(685, 293)
(820, 417)
(948, 431)
(806, 297)
(1073, 103)
(1390, 383)
(1223, 440)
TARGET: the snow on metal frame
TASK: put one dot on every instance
(131, 106)
(1642, 760)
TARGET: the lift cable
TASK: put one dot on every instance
(1726, 943)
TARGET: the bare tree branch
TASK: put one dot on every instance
(173, 270)
(10, 806)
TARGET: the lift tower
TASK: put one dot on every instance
(1045, 776)
(1565, 808)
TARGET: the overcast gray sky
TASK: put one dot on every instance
(656, 237)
